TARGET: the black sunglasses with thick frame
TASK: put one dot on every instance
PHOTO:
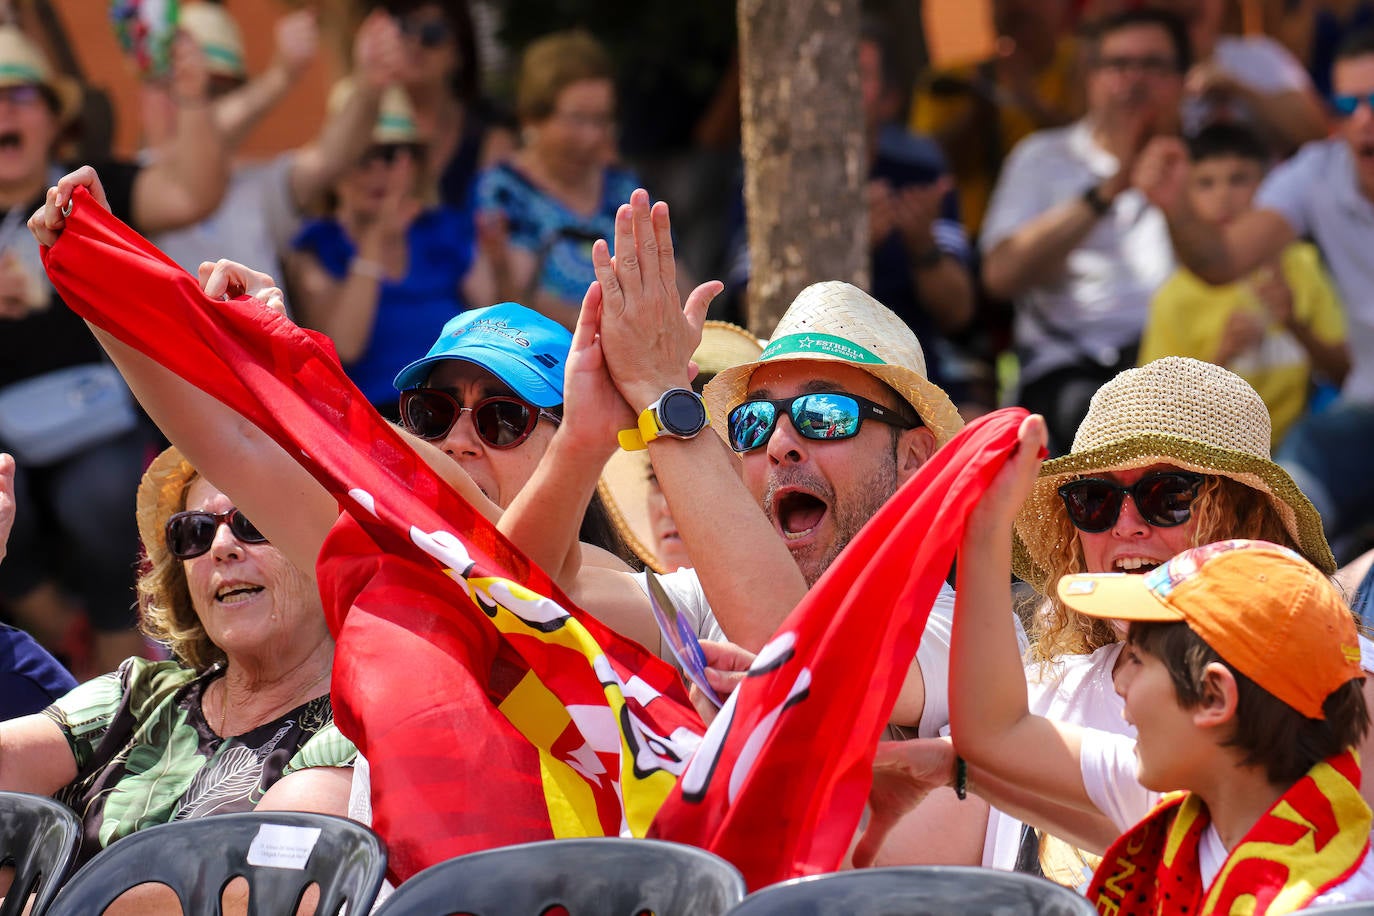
(824, 416)
(190, 534)
(502, 421)
(1163, 498)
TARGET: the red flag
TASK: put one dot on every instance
(492, 709)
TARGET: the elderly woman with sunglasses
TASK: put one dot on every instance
(1170, 456)
(239, 719)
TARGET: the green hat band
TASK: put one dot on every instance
(811, 344)
(20, 71)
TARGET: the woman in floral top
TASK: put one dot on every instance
(241, 719)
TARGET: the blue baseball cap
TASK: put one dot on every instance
(519, 346)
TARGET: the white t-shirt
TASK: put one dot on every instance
(1316, 192)
(253, 224)
(684, 588)
(1102, 297)
(1076, 689)
(1108, 763)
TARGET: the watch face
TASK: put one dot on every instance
(682, 413)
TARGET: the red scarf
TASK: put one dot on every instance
(1313, 839)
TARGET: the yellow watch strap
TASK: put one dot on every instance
(647, 429)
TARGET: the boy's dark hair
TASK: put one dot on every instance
(1359, 43)
(1271, 733)
(1217, 140)
(1173, 26)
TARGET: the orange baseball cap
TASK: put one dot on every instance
(1268, 612)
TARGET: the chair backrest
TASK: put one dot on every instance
(279, 853)
(39, 836)
(916, 890)
(589, 877)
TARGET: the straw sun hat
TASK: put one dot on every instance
(22, 64)
(395, 114)
(839, 323)
(624, 484)
(161, 493)
(1177, 411)
(217, 35)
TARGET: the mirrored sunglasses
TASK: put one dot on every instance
(1347, 105)
(823, 416)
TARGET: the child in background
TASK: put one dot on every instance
(1278, 328)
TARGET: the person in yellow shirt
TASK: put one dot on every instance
(1279, 328)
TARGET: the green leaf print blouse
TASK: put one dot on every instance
(145, 754)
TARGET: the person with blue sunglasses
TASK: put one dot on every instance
(1325, 193)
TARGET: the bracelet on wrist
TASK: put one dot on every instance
(960, 778)
(367, 267)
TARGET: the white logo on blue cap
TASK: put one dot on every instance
(495, 326)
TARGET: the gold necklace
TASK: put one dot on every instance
(224, 697)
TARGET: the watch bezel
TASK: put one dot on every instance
(666, 404)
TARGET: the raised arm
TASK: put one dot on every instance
(186, 182)
(238, 112)
(648, 338)
(990, 719)
(378, 56)
(1217, 255)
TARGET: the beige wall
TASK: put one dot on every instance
(294, 121)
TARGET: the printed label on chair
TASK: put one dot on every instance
(280, 846)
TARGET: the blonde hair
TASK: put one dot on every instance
(167, 614)
(1224, 509)
(552, 64)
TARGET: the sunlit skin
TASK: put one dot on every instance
(1220, 188)
(1355, 76)
(1165, 731)
(1158, 87)
(819, 494)
(248, 597)
(577, 138)
(499, 473)
(1133, 544)
(667, 544)
(28, 126)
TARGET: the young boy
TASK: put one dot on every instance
(1278, 327)
(1242, 678)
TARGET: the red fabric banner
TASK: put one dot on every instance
(492, 709)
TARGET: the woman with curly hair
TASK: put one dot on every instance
(1170, 456)
(239, 719)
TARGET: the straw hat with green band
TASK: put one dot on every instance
(838, 322)
(624, 484)
(1176, 411)
(23, 64)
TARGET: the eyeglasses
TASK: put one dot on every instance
(501, 421)
(1164, 499)
(1149, 65)
(1347, 105)
(428, 33)
(23, 95)
(190, 534)
(389, 152)
(824, 416)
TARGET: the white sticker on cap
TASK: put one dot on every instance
(1080, 587)
(281, 846)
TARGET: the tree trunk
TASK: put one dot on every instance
(803, 147)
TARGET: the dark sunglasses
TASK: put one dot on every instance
(190, 534)
(501, 421)
(825, 416)
(428, 33)
(1165, 500)
(389, 152)
(1346, 105)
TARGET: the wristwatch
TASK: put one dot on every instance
(680, 413)
(1092, 196)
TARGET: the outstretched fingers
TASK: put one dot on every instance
(645, 241)
(699, 300)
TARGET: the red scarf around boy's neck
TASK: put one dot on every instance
(1313, 838)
